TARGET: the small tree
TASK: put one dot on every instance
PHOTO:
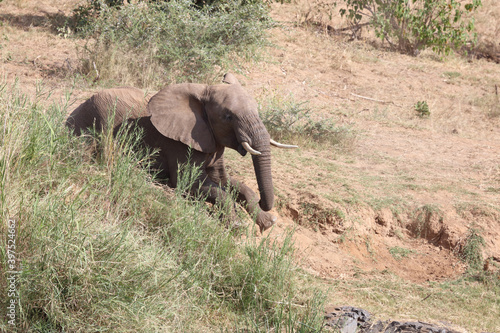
(413, 25)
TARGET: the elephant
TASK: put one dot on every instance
(191, 122)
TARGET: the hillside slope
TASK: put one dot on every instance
(399, 181)
(407, 181)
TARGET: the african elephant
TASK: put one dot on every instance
(196, 122)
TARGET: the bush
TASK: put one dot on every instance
(411, 26)
(83, 14)
(153, 43)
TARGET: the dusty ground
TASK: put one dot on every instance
(405, 182)
(401, 165)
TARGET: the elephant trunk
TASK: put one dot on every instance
(262, 167)
(252, 131)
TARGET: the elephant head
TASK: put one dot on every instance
(208, 118)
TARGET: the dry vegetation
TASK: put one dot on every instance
(381, 218)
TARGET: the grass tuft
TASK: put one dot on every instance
(399, 253)
(471, 249)
(288, 120)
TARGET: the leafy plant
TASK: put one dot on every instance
(422, 109)
(84, 14)
(411, 26)
(153, 43)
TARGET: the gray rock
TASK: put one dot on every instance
(377, 327)
(348, 325)
(349, 319)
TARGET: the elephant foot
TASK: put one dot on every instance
(265, 220)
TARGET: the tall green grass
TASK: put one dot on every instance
(149, 44)
(103, 248)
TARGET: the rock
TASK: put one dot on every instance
(348, 325)
(377, 327)
(349, 319)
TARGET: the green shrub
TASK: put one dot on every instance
(411, 26)
(153, 43)
(83, 14)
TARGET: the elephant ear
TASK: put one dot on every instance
(230, 79)
(178, 112)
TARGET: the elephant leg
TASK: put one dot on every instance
(250, 201)
(244, 194)
(217, 195)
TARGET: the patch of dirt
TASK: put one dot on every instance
(345, 207)
(334, 248)
(33, 51)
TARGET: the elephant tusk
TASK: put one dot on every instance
(280, 145)
(250, 149)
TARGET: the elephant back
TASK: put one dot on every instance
(111, 105)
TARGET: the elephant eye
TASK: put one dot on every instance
(227, 117)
